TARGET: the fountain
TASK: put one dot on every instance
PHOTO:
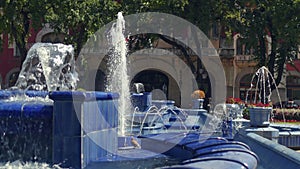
(261, 135)
(41, 116)
(48, 67)
(118, 80)
(26, 109)
(82, 129)
(259, 116)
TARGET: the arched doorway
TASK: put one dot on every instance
(161, 84)
(0, 82)
(293, 87)
(100, 81)
(52, 38)
(245, 84)
(13, 77)
(152, 79)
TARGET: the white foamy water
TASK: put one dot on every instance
(48, 67)
(263, 89)
(27, 165)
(25, 98)
(118, 80)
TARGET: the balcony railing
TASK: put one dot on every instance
(226, 52)
(245, 60)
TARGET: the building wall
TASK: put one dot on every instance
(238, 65)
(180, 76)
(235, 67)
(8, 61)
(9, 57)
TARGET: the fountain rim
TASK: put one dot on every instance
(82, 95)
(61, 95)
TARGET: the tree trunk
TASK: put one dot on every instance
(183, 50)
(272, 57)
(262, 50)
(20, 43)
(80, 39)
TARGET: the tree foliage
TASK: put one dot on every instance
(84, 18)
(271, 28)
(260, 23)
(17, 17)
(76, 19)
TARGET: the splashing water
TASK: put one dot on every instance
(219, 115)
(48, 67)
(118, 80)
(28, 165)
(262, 87)
(263, 90)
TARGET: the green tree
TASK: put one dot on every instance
(17, 17)
(264, 24)
(84, 18)
(78, 19)
(198, 12)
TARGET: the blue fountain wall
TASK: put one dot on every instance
(162, 103)
(199, 151)
(24, 128)
(272, 154)
(141, 100)
(85, 124)
(6, 94)
(101, 127)
(76, 125)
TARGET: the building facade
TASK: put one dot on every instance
(236, 58)
(10, 61)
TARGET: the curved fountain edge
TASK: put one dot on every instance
(61, 95)
(191, 148)
(272, 154)
(84, 95)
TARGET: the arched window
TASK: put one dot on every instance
(100, 81)
(13, 79)
(293, 87)
(243, 48)
(247, 50)
(245, 85)
(239, 47)
(0, 82)
(53, 38)
(152, 79)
